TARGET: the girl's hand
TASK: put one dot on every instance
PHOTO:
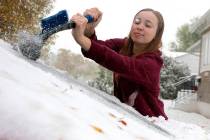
(81, 23)
(78, 31)
(97, 16)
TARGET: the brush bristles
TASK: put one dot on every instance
(29, 45)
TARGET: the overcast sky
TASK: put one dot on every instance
(118, 15)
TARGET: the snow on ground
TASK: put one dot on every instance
(38, 103)
(189, 117)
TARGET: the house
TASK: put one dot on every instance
(191, 60)
(202, 46)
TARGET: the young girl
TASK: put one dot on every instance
(135, 61)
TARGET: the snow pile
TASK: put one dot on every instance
(181, 130)
(38, 103)
(190, 116)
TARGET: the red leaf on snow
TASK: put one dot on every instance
(123, 122)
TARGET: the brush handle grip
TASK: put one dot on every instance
(89, 18)
(72, 24)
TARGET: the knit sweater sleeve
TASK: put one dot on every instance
(114, 44)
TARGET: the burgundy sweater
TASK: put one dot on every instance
(140, 73)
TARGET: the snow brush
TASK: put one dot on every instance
(31, 45)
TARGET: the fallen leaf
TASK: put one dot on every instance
(123, 122)
(112, 115)
(97, 129)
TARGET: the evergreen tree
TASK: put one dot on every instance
(103, 81)
(170, 74)
(17, 15)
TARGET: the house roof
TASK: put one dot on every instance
(174, 54)
(195, 47)
(202, 24)
(191, 60)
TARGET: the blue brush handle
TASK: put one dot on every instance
(72, 24)
(89, 18)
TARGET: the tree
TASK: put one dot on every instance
(103, 81)
(170, 74)
(173, 46)
(63, 60)
(45, 54)
(17, 15)
(76, 65)
(185, 38)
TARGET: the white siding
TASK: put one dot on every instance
(191, 60)
(205, 52)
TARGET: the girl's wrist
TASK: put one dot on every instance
(84, 42)
(89, 32)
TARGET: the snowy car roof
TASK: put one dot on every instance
(41, 103)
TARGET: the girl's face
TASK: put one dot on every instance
(144, 28)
